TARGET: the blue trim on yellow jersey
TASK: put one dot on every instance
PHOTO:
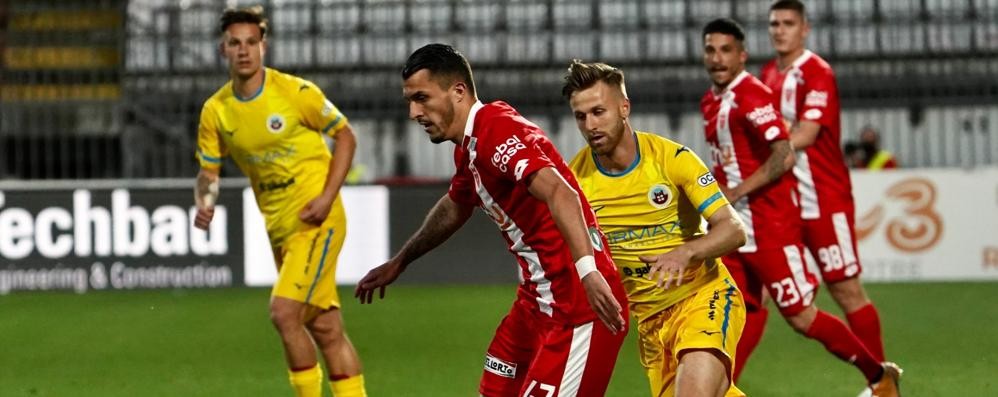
(332, 123)
(710, 200)
(208, 158)
(322, 262)
(634, 164)
(258, 90)
(727, 312)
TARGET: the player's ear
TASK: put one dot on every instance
(743, 56)
(263, 48)
(625, 108)
(460, 90)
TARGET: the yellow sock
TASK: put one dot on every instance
(349, 387)
(307, 383)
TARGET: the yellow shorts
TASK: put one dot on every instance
(712, 318)
(308, 269)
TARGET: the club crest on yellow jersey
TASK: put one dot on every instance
(275, 123)
(660, 196)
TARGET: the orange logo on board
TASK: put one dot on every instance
(917, 227)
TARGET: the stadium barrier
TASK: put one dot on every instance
(925, 225)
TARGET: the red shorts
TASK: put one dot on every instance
(832, 241)
(782, 271)
(532, 355)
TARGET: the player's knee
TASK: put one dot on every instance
(801, 322)
(285, 315)
(849, 294)
(328, 327)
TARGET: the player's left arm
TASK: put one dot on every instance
(726, 233)
(321, 115)
(820, 101)
(767, 124)
(562, 200)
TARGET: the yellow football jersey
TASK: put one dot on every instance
(650, 208)
(275, 137)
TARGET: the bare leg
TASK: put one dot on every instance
(702, 373)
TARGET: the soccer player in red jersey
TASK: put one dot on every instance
(805, 89)
(566, 326)
(752, 154)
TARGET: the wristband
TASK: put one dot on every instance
(585, 265)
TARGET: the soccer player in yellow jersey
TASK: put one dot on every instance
(649, 194)
(272, 124)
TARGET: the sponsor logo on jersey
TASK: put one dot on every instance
(275, 123)
(816, 98)
(712, 305)
(681, 150)
(706, 179)
(647, 232)
(637, 271)
(505, 151)
(772, 132)
(275, 185)
(762, 115)
(812, 114)
(659, 196)
(499, 367)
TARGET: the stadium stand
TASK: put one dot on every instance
(118, 93)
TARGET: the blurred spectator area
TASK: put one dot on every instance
(121, 84)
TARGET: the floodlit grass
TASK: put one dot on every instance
(430, 341)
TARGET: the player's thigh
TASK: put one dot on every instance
(785, 276)
(711, 321)
(832, 241)
(747, 282)
(308, 267)
(509, 354)
(573, 361)
(655, 349)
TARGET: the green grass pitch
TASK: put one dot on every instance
(430, 340)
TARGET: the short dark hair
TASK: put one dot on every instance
(793, 5)
(584, 75)
(252, 15)
(724, 26)
(444, 62)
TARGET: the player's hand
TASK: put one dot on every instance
(667, 269)
(377, 278)
(316, 211)
(729, 194)
(603, 302)
(203, 217)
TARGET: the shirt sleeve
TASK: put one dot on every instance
(820, 91)
(515, 156)
(318, 113)
(690, 174)
(210, 148)
(763, 117)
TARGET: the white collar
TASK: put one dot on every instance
(801, 59)
(469, 125)
(731, 86)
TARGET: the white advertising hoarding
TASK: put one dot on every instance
(366, 244)
(915, 225)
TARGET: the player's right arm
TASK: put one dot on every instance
(209, 155)
(446, 217)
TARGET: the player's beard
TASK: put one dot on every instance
(445, 124)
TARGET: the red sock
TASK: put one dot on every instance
(755, 324)
(865, 323)
(839, 340)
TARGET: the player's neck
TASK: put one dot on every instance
(246, 88)
(462, 111)
(623, 155)
(783, 61)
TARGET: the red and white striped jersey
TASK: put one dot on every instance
(500, 150)
(741, 122)
(807, 91)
